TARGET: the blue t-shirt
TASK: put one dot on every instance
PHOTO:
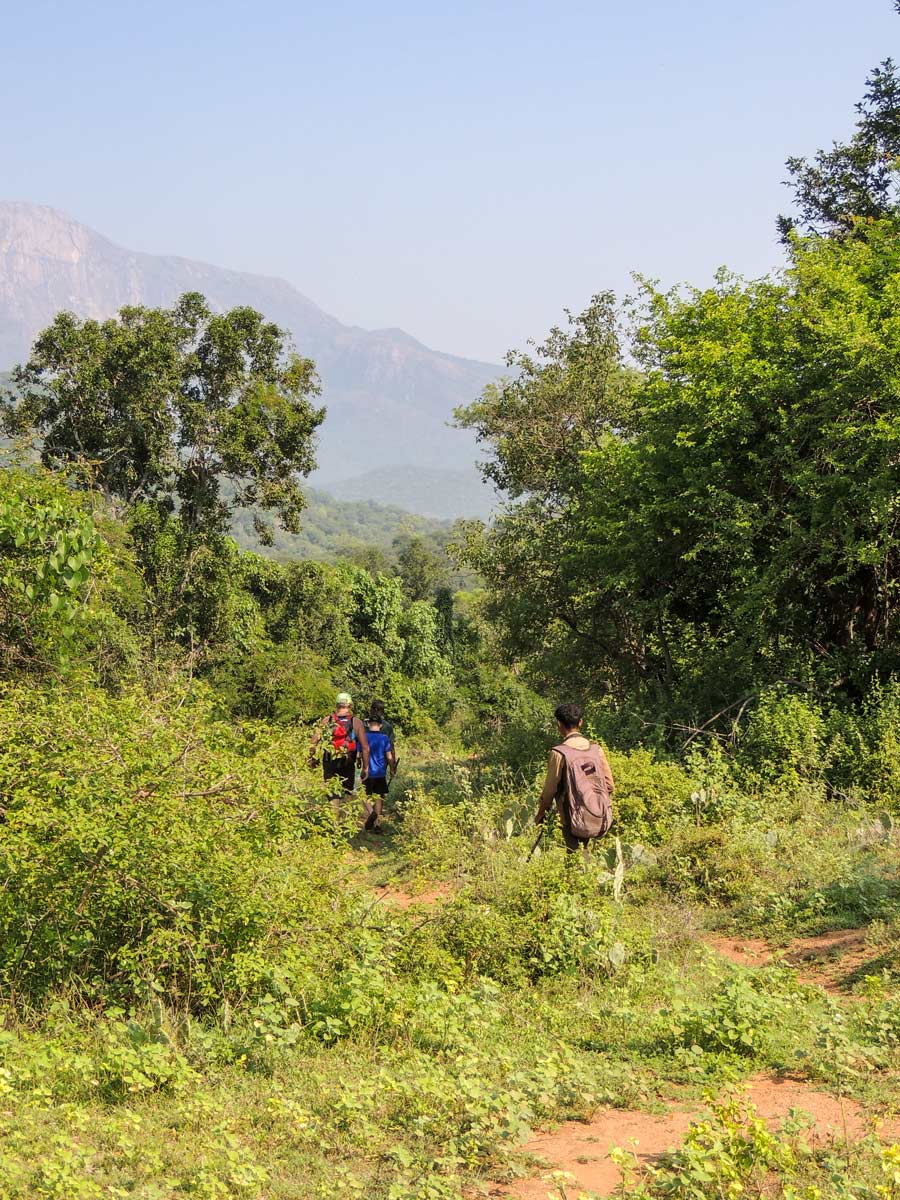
(379, 745)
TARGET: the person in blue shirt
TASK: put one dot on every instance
(382, 766)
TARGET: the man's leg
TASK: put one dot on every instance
(573, 843)
(332, 778)
(375, 790)
(348, 777)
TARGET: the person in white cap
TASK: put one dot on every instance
(345, 741)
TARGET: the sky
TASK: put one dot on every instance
(464, 172)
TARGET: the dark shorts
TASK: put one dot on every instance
(377, 787)
(340, 768)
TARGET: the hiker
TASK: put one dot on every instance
(376, 713)
(579, 780)
(345, 740)
(382, 763)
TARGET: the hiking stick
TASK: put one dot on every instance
(537, 842)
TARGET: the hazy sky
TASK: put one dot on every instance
(464, 171)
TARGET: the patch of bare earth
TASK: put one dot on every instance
(398, 898)
(831, 960)
(582, 1149)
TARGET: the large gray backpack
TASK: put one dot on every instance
(586, 794)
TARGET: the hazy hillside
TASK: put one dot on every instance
(389, 397)
(443, 494)
(333, 528)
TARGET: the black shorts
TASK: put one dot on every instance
(377, 787)
(340, 768)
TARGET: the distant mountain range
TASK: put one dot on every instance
(389, 398)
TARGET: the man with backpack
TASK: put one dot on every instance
(345, 740)
(382, 762)
(579, 780)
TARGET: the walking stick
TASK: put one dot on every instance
(537, 842)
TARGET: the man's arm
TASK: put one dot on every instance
(551, 785)
(392, 761)
(363, 742)
(607, 771)
(316, 738)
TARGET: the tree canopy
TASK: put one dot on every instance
(162, 404)
(727, 515)
(855, 181)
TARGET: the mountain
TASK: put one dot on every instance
(389, 398)
(438, 493)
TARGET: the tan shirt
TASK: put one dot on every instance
(556, 769)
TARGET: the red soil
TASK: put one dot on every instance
(581, 1150)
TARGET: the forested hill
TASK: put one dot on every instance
(361, 530)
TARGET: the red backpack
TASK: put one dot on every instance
(587, 798)
(343, 739)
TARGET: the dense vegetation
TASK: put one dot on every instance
(213, 984)
(708, 500)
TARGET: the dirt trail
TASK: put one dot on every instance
(399, 898)
(581, 1149)
(831, 960)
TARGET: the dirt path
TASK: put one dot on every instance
(581, 1149)
(399, 898)
(831, 960)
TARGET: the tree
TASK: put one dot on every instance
(568, 395)
(421, 571)
(856, 181)
(743, 525)
(163, 405)
(563, 398)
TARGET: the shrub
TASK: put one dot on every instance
(737, 1020)
(48, 545)
(707, 863)
(146, 847)
(282, 683)
(542, 918)
(650, 797)
(784, 740)
(864, 747)
(731, 1153)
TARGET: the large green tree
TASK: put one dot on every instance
(163, 405)
(731, 515)
(855, 181)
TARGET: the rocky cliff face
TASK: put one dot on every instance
(389, 397)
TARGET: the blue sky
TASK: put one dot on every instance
(464, 172)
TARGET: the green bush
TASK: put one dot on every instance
(283, 683)
(784, 740)
(737, 1020)
(709, 863)
(148, 848)
(651, 797)
(48, 547)
(528, 920)
(864, 747)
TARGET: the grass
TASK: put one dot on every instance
(435, 1039)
